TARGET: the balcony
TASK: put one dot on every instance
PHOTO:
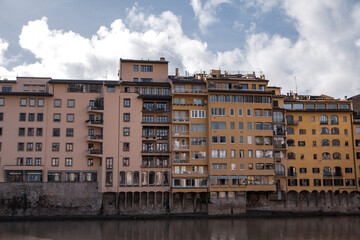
(181, 119)
(327, 174)
(292, 123)
(191, 172)
(181, 133)
(190, 91)
(338, 174)
(181, 147)
(181, 160)
(94, 138)
(95, 123)
(154, 151)
(279, 173)
(94, 152)
(154, 109)
(154, 166)
(95, 108)
(280, 146)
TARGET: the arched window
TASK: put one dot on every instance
(290, 143)
(336, 143)
(291, 155)
(122, 178)
(290, 119)
(334, 120)
(323, 119)
(324, 130)
(136, 178)
(326, 156)
(290, 130)
(151, 178)
(325, 142)
(336, 155)
(337, 172)
(158, 178)
(292, 172)
(166, 178)
(335, 130)
(327, 172)
(279, 169)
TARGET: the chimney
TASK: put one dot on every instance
(162, 59)
(176, 72)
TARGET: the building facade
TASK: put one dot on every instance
(153, 136)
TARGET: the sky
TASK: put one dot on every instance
(307, 46)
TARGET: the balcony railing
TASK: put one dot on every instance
(154, 109)
(95, 122)
(181, 160)
(154, 166)
(94, 137)
(190, 172)
(327, 174)
(181, 147)
(279, 146)
(190, 91)
(181, 133)
(280, 173)
(292, 123)
(181, 119)
(338, 174)
(94, 152)
(94, 108)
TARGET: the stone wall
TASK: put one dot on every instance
(49, 199)
(83, 199)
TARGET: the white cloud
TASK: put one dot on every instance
(262, 6)
(324, 58)
(206, 12)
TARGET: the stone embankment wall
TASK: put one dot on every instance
(83, 199)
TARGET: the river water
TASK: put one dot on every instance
(306, 228)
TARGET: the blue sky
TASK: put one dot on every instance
(318, 42)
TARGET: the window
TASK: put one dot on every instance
(29, 146)
(290, 130)
(21, 131)
(198, 114)
(68, 162)
(57, 102)
(218, 112)
(126, 131)
(40, 117)
(232, 111)
(1, 116)
(136, 68)
(30, 132)
(32, 102)
(23, 102)
(69, 132)
(110, 89)
(126, 161)
(56, 132)
(302, 131)
(303, 170)
(325, 142)
(126, 146)
(70, 117)
(241, 139)
(28, 161)
(249, 139)
(241, 126)
(301, 143)
(20, 161)
(109, 163)
(323, 119)
(90, 162)
(2, 101)
(126, 117)
(146, 68)
(137, 90)
(336, 142)
(248, 112)
(37, 161)
(126, 89)
(232, 125)
(69, 147)
(31, 117)
(316, 170)
(324, 130)
(335, 130)
(57, 117)
(240, 112)
(126, 102)
(198, 127)
(21, 146)
(249, 125)
(55, 147)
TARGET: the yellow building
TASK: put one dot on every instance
(319, 144)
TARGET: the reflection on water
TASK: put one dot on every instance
(254, 228)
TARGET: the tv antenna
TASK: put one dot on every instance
(296, 86)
